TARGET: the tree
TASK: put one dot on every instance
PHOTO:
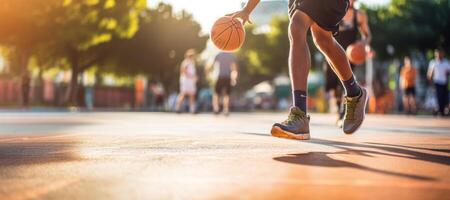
(159, 45)
(23, 26)
(83, 27)
(265, 55)
(412, 25)
(66, 30)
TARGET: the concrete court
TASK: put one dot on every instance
(168, 156)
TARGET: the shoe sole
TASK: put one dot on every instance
(280, 133)
(364, 116)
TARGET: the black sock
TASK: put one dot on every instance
(351, 87)
(300, 98)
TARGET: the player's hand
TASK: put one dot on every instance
(233, 82)
(243, 15)
(367, 45)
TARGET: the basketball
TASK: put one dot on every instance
(356, 53)
(228, 34)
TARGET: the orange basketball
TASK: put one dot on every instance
(356, 53)
(228, 34)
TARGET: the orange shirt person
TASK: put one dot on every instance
(408, 76)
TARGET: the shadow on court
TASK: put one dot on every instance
(323, 159)
(37, 151)
(407, 152)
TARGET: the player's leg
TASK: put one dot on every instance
(406, 102)
(297, 124)
(215, 99)
(299, 55)
(356, 97)
(226, 97)
(440, 94)
(216, 96)
(333, 52)
(446, 108)
(180, 100)
(192, 103)
(226, 104)
(412, 103)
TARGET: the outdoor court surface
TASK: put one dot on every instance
(169, 156)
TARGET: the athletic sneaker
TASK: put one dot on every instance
(355, 110)
(295, 127)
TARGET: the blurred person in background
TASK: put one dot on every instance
(188, 81)
(226, 78)
(158, 95)
(438, 72)
(408, 76)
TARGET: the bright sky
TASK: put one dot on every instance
(206, 11)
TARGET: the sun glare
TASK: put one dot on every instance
(207, 11)
(204, 11)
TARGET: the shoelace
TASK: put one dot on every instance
(292, 118)
(350, 107)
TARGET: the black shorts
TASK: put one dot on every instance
(326, 13)
(223, 84)
(410, 91)
(332, 81)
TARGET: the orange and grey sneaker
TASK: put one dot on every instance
(355, 111)
(295, 127)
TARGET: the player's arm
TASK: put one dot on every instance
(448, 69)
(430, 71)
(209, 66)
(183, 68)
(364, 27)
(234, 73)
(244, 14)
(402, 76)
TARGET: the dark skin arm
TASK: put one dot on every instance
(364, 27)
(244, 14)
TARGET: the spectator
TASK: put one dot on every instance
(438, 72)
(408, 76)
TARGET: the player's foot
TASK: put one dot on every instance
(295, 127)
(339, 123)
(226, 112)
(355, 110)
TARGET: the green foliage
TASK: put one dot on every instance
(158, 47)
(265, 55)
(410, 25)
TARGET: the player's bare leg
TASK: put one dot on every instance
(226, 104)
(297, 124)
(180, 100)
(192, 103)
(356, 96)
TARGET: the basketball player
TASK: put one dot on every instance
(226, 78)
(322, 17)
(353, 24)
(188, 81)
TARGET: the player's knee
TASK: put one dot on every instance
(297, 29)
(323, 42)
